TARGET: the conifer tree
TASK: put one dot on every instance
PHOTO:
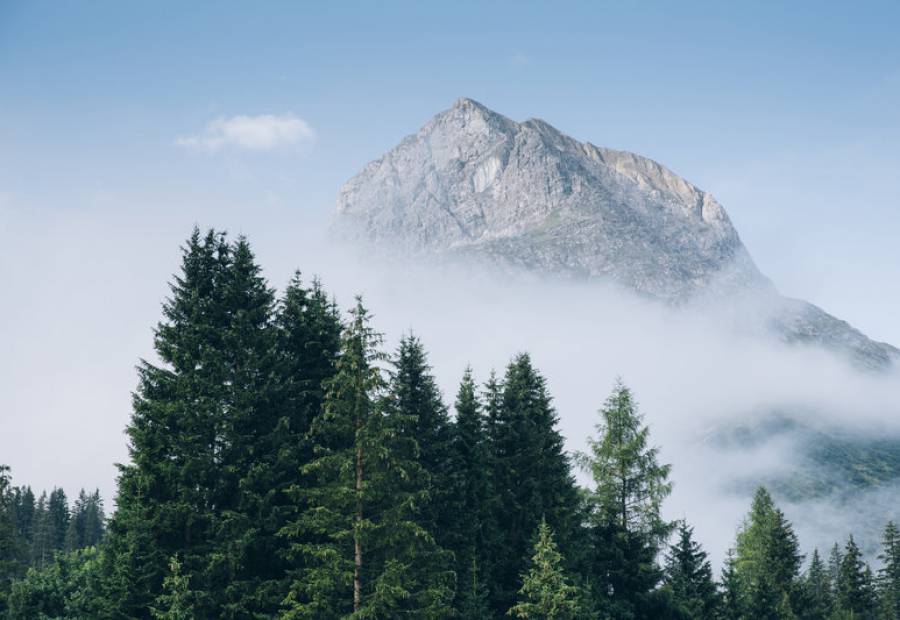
(365, 553)
(86, 522)
(174, 490)
(889, 574)
(817, 590)
(855, 597)
(835, 558)
(175, 601)
(471, 529)
(767, 560)
(413, 395)
(546, 592)
(731, 603)
(688, 574)
(627, 527)
(531, 476)
(10, 538)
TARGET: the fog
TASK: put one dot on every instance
(698, 372)
(84, 324)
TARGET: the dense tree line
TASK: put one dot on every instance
(284, 465)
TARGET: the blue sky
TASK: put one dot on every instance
(787, 112)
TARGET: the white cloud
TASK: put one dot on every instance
(265, 132)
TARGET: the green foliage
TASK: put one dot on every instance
(855, 594)
(546, 592)
(817, 588)
(68, 588)
(767, 561)
(366, 553)
(688, 575)
(889, 574)
(471, 528)
(174, 603)
(627, 528)
(530, 473)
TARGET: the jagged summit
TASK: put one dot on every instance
(475, 183)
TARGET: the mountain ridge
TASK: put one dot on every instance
(474, 183)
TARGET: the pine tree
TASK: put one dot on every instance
(175, 601)
(86, 522)
(413, 395)
(835, 558)
(731, 603)
(817, 590)
(178, 483)
(11, 542)
(627, 527)
(471, 528)
(531, 476)
(546, 592)
(364, 550)
(889, 574)
(689, 576)
(767, 562)
(854, 586)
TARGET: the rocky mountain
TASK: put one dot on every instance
(473, 183)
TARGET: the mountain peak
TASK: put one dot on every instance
(477, 184)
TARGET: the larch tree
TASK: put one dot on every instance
(627, 528)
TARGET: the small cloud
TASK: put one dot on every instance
(519, 59)
(265, 132)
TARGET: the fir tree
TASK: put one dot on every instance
(627, 527)
(546, 592)
(364, 551)
(175, 601)
(889, 574)
(413, 395)
(471, 529)
(531, 476)
(689, 576)
(854, 586)
(173, 492)
(817, 590)
(11, 541)
(731, 604)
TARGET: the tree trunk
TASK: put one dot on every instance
(357, 543)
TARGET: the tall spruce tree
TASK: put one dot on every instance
(169, 494)
(413, 395)
(11, 541)
(471, 528)
(546, 592)
(688, 574)
(86, 522)
(855, 595)
(366, 553)
(817, 590)
(627, 527)
(731, 604)
(889, 574)
(531, 476)
(195, 438)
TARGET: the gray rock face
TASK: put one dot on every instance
(474, 183)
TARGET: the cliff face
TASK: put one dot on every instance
(472, 182)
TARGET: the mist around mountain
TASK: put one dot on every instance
(646, 273)
(472, 183)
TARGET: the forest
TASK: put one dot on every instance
(283, 464)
